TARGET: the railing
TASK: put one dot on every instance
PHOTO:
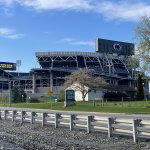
(131, 125)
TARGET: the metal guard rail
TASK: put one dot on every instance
(115, 124)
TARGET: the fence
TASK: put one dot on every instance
(4, 97)
(131, 125)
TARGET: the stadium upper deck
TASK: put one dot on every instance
(101, 63)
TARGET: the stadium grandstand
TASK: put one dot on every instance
(109, 62)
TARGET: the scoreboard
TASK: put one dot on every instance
(7, 66)
(116, 47)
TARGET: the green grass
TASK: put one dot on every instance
(136, 107)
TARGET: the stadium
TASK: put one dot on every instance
(108, 61)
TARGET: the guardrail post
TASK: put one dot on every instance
(0, 114)
(135, 124)
(89, 119)
(43, 119)
(5, 114)
(72, 118)
(32, 117)
(13, 114)
(22, 116)
(110, 129)
(56, 120)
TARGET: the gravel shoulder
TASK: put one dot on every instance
(35, 137)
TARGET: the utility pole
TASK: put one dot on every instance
(9, 93)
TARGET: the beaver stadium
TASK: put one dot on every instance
(108, 61)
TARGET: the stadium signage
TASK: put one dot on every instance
(69, 97)
(7, 66)
(117, 46)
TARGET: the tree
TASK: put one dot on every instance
(132, 62)
(142, 35)
(84, 81)
(15, 93)
(18, 95)
(140, 92)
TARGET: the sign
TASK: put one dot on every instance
(117, 46)
(69, 97)
(114, 47)
(7, 66)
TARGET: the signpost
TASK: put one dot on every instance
(69, 97)
(50, 93)
(9, 86)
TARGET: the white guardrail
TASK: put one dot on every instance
(137, 126)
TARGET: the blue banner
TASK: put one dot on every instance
(7, 66)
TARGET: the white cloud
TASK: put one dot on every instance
(51, 4)
(73, 41)
(88, 43)
(123, 10)
(112, 10)
(7, 2)
(9, 33)
(68, 40)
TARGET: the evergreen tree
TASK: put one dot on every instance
(15, 93)
(18, 95)
(140, 92)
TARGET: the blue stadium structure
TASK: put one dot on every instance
(109, 61)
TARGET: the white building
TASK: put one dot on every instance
(91, 95)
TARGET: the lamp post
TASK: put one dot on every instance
(9, 87)
(18, 62)
(22, 98)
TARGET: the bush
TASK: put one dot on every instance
(112, 96)
(61, 96)
(33, 100)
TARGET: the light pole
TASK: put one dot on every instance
(22, 98)
(18, 62)
(9, 88)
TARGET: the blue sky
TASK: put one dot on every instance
(29, 26)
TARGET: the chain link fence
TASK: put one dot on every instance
(4, 98)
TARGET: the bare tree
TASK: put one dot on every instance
(132, 62)
(84, 81)
(142, 35)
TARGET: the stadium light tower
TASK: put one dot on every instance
(18, 64)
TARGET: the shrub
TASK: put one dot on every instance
(112, 96)
(61, 96)
(33, 100)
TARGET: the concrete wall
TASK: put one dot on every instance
(43, 91)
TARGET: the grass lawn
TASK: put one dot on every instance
(137, 107)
